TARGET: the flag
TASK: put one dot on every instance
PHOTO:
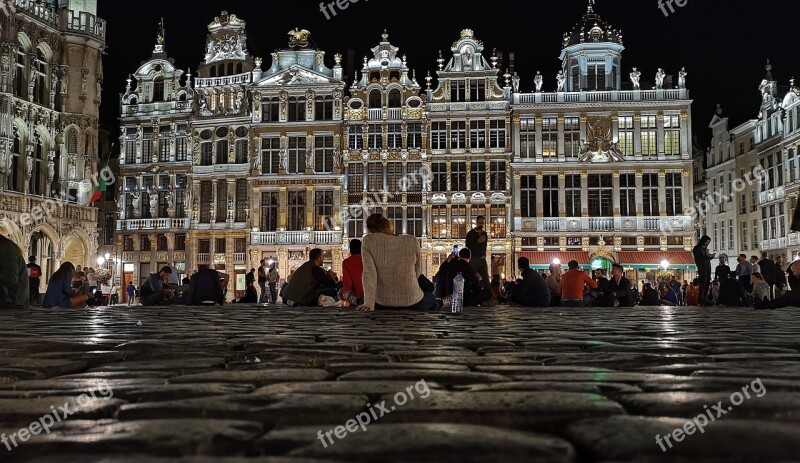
(100, 188)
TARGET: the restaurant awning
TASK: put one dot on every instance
(678, 260)
(542, 260)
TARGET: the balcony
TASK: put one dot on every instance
(239, 257)
(333, 238)
(239, 79)
(152, 224)
(775, 194)
(203, 258)
(606, 224)
(612, 96)
(770, 245)
(34, 209)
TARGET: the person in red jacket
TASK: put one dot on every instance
(352, 268)
(572, 286)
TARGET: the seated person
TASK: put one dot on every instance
(650, 296)
(532, 290)
(444, 286)
(352, 270)
(729, 291)
(14, 285)
(792, 297)
(474, 293)
(572, 286)
(498, 292)
(601, 297)
(552, 282)
(310, 281)
(250, 294)
(761, 289)
(154, 290)
(619, 288)
(693, 293)
(205, 288)
(668, 296)
(60, 291)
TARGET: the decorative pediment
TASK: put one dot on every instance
(478, 198)
(439, 198)
(459, 198)
(296, 76)
(599, 145)
(498, 198)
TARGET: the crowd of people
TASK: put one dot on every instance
(384, 271)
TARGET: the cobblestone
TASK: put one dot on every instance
(256, 384)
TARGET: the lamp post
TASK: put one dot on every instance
(665, 264)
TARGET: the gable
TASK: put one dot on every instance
(296, 76)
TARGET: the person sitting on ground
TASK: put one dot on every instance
(599, 297)
(443, 285)
(250, 294)
(619, 288)
(714, 291)
(352, 271)
(650, 296)
(693, 293)
(533, 290)
(15, 280)
(761, 289)
(729, 291)
(310, 281)
(498, 292)
(205, 288)
(155, 291)
(572, 286)
(668, 296)
(475, 294)
(60, 290)
(552, 283)
(250, 276)
(392, 267)
(792, 297)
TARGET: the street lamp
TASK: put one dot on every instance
(665, 264)
(101, 261)
(108, 256)
(556, 261)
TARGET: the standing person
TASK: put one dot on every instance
(780, 277)
(14, 276)
(754, 262)
(262, 281)
(59, 291)
(675, 285)
(34, 280)
(702, 259)
(392, 266)
(572, 286)
(552, 283)
(91, 280)
(352, 271)
(273, 277)
(722, 268)
(477, 239)
(650, 296)
(769, 271)
(619, 287)
(131, 290)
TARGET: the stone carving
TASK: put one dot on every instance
(256, 164)
(5, 65)
(51, 166)
(237, 105)
(153, 193)
(284, 160)
(337, 158)
(682, 78)
(515, 82)
(599, 146)
(660, 75)
(136, 201)
(310, 159)
(29, 167)
(71, 169)
(171, 201)
(538, 81)
(636, 75)
(560, 80)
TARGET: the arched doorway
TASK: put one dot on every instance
(601, 264)
(75, 251)
(41, 249)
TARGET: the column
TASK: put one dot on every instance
(686, 197)
(516, 129)
(662, 193)
(560, 146)
(539, 196)
(310, 206)
(562, 201)
(284, 203)
(517, 201)
(214, 200)
(660, 135)
(469, 175)
(538, 138)
(639, 195)
(637, 136)
(615, 192)
(584, 194)
(231, 201)
(686, 135)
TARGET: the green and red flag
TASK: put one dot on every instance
(100, 188)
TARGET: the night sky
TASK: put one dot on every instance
(724, 45)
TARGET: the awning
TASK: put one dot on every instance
(542, 260)
(678, 260)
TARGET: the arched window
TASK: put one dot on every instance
(395, 99)
(230, 69)
(158, 89)
(37, 180)
(72, 142)
(239, 68)
(16, 155)
(297, 109)
(375, 100)
(21, 77)
(41, 94)
(213, 72)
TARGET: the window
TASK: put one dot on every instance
(355, 178)
(241, 200)
(375, 135)
(297, 109)
(457, 90)
(180, 242)
(458, 222)
(572, 195)
(356, 137)
(572, 137)
(181, 149)
(627, 195)
(649, 140)
(323, 154)
(755, 233)
(394, 214)
(395, 99)
(550, 192)
(549, 136)
(127, 243)
(222, 151)
(220, 245)
(477, 135)
(596, 77)
(416, 177)
(323, 210)
(270, 207)
(497, 221)
(206, 154)
(394, 178)
(528, 195)
(147, 145)
(650, 195)
(271, 110)
(730, 234)
(674, 195)
(744, 237)
(206, 199)
(297, 155)
(497, 176)
(394, 136)
(600, 195)
(222, 201)
(375, 99)
(180, 198)
(743, 203)
(672, 135)
(458, 176)
(478, 176)
(163, 147)
(297, 210)
(324, 108)
(497, 134)
(109, 224)
(414, 136)
(270, 155)
(458, 135)
(439, 136)
(145, 243)
(477, 90)
(161, 243)
(375, 176)
(158, 89)
(626, 135)
(355, 222)
(241, 151)
(439, 221)
(204, 246)
(414, 221)
(439, 180)
(527, 138)
(722, 242)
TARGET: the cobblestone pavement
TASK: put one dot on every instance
(244, 383)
